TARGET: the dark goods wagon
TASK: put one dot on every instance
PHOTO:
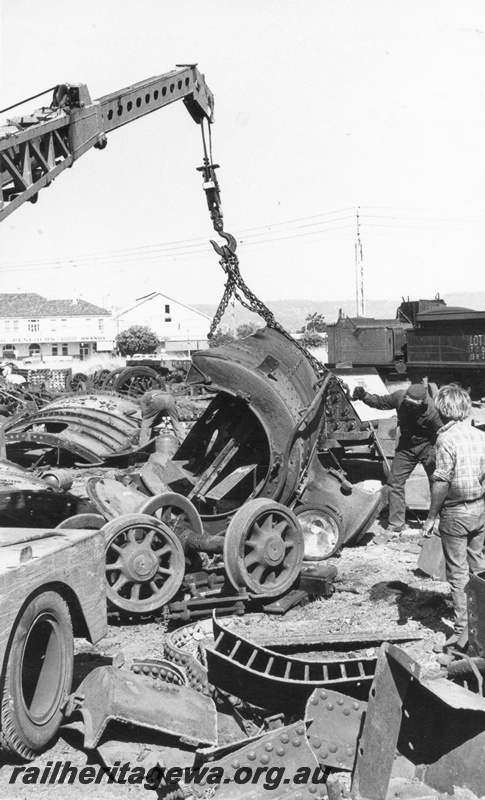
(448, 344)
(428, 341)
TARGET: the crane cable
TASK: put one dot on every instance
(34, 97)
(235, 284)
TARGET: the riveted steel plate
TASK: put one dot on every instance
(111, 694)
(334, 725)
(283, 758)
(377, 746)
(182, 648)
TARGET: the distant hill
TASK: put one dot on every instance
(292, 313)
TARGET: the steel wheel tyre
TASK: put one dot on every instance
(322, 531)
(174, 510)
(38, 676)
(110, 378)
(99, 377)
(78, 383)
(144, 563)
(135, 381)
(263, 548)
(80, 521)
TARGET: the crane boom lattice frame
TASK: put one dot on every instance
(35, 149)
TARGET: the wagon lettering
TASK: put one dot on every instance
(477, 347)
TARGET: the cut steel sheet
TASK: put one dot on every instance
(273, 681)
(110, 694)
(88, 427)
(334, 724)
(437, 725)
(282, 760)
(380, 734)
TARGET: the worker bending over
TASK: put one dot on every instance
(155, 405)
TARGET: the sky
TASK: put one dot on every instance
(328, 113)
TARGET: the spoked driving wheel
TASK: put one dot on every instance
(135, 381)
(175, 510)
(263, 548)
(144, 563)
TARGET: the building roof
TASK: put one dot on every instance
(34, 305)
(146, 299)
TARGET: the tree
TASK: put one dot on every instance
(137, 339)
(315, 323)
(312, 340)
(221, 338)
(246, 330)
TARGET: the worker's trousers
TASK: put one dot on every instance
(462, 531)
(405, 460)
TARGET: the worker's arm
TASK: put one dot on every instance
(434, 419)
(441, 480)
(439, 492)
(384, 402)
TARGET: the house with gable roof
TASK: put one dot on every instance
(179, 327)
(33, 326)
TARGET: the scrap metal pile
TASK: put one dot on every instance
(220, 712)
(230, 515)
(243, 515)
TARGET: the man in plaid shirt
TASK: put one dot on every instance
(457, 497)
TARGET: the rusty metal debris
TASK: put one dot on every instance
(307, 637)
(335, 722)
(286, 748)
(159, 669)
(437, 726)
(476, 613)
(110, 694)
(264, 439)
(270, 680)
(86, 428)
(183, 648)
(26, 499)
(431, 560)
(112, 498)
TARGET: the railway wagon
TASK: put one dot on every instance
(428, 341)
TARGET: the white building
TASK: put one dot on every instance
(179, 327)
(31, 325)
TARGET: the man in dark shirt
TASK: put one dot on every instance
(419, 423)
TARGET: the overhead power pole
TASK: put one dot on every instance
(359, 271)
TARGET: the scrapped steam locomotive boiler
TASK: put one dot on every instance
(257, 465)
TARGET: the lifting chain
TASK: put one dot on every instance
(229, 262)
